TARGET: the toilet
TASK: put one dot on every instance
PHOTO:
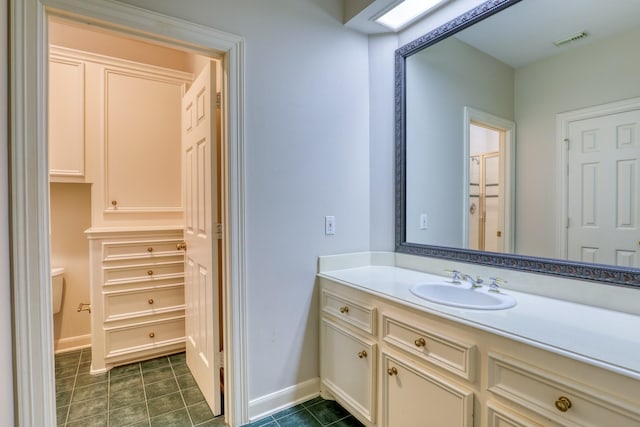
(57, 282)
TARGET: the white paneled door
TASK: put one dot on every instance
(603, 186)
(201, 256)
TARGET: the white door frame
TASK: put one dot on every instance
(563, 121)
(508, 153)
(34, 392)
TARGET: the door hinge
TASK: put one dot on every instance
(219, 231)
(218, 100)
(566, 140)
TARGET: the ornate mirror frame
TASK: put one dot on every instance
(612, 275)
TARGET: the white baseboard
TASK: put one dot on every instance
(283, 399)
(64, 345)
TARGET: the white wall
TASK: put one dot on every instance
(559, 84)
(444, 79)
(6, 357)
(306, 104)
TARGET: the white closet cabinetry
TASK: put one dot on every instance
(137, 295)
(66, 117)
(433, 371)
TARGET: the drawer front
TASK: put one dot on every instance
(150, 248)
(555, 397)
(349, 369)
(143, 336)
(354, 313)
(144, 271)
(456, 356)
(498, 416)
(120, 305)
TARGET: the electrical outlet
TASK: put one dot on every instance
(329, 225)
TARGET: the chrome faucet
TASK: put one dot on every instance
(475, 283)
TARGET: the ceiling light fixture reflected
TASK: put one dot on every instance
(406, 12)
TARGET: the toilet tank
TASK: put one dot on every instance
(57, 284)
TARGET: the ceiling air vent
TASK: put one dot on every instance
(572, 38)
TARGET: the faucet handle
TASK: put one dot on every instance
(456, 276)
(494, 286)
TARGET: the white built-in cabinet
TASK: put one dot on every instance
(391, 365)
(117, 124)
(66, 117)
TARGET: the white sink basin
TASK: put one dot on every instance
(463, 297)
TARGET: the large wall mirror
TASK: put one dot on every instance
(518, 139)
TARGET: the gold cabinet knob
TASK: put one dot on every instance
(150, 272)
(114, 203)
(150, 301)
(152, 334)
(344, 309)
(420, 342)
(150, 249)
(362, 354)
(563, 404)
(392, 371)
(181, 246)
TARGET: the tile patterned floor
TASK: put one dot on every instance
(313, 413)
(158, 392)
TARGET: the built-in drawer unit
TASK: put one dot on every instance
(452, 354)
(498, 416)
(357, 314)
(137, 295)
(554, 396)
(144, 336)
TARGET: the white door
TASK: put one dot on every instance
(201, 266)
(603, 185)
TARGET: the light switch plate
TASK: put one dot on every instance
(329, 225)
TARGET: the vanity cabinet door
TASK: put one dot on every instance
(414, 397)
(348, 369)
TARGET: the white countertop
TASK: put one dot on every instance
(601, 337)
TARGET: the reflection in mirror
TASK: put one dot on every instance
(520, 135)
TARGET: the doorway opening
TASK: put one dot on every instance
(115, 134)
(488, 148)
(30, 254)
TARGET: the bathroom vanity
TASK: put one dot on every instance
(394, 359)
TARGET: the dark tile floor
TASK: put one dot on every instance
(158, 392)
(313, 413)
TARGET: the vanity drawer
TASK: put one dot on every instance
(138, 337)
(354, 313)
(144, 271)
(452, 354)
(556, 397)
(148, 248)
(119, 305)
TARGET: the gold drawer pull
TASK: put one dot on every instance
(152, 334)
(362, 354)
(150, 272)
(181, 246)
(344, 309)
(150, 249)
(392, 371)
(420, 342)
(150, 301)
(563, 404)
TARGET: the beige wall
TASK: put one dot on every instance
(70, 217)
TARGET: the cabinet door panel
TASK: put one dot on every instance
(418, 398)
(348, 368)
(142, 142)
(66, 118)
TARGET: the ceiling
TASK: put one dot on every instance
(525, 32)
